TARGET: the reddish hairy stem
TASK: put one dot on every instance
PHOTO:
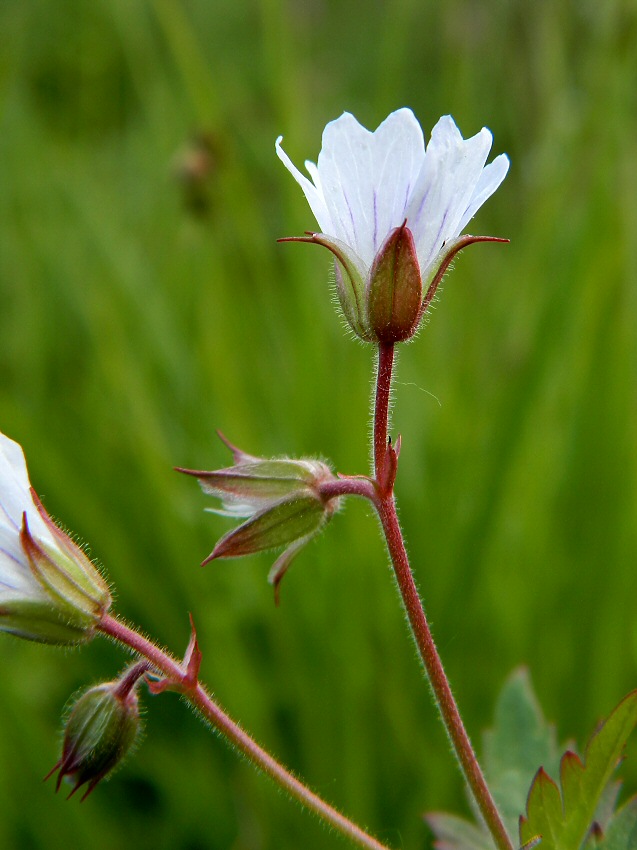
(386, 507)
(381, 407)
(348, 486)
(201, 700)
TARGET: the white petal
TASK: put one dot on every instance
(365, 184)
(15, 495)
(366, 178)
(399, 154)
(15, 573)
(11, 549)
(447, 183)
(491, 177)
(14, 483)
(345, 168)
(312, 193)
(16, 578)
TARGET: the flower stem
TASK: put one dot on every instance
(386, 507)
(197, 695)
(381, 406)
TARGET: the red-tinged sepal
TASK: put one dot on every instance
(50, 591)
(282, 564)
(67, 574)
(394, 288)
(350, 276)
(443, 261)
(253, 483)
(238, 455)
(279, 524)
(73, 596)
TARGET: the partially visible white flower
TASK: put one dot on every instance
(366, 185)
(49, 589)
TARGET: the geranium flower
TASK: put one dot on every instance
(384, 197)
(49, 590)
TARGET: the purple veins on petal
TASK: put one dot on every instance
(375, 221)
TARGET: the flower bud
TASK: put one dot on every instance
(281, 500)
(101, 729)
(49, 590)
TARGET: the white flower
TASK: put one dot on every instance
(366, 184)
(49, 590)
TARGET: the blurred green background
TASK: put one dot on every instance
(145, 303)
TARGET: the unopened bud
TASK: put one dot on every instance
(100, 731)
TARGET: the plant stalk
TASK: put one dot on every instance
(203, 702)
(446, 704)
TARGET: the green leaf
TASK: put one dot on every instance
(520, 741)
(564, 819)
(622, 829)
(454, 833)
(514, 749)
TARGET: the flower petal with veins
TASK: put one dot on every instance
(365, 183)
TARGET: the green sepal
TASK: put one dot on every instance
(67, 575)
(262, 479)
(43, 622)
(100, 730)
(350, 274)
(278, 524)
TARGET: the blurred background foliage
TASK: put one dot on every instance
(145, 303)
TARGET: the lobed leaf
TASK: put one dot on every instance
(519, 742)
(622, 829)
(565, 819)
(455, 833)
